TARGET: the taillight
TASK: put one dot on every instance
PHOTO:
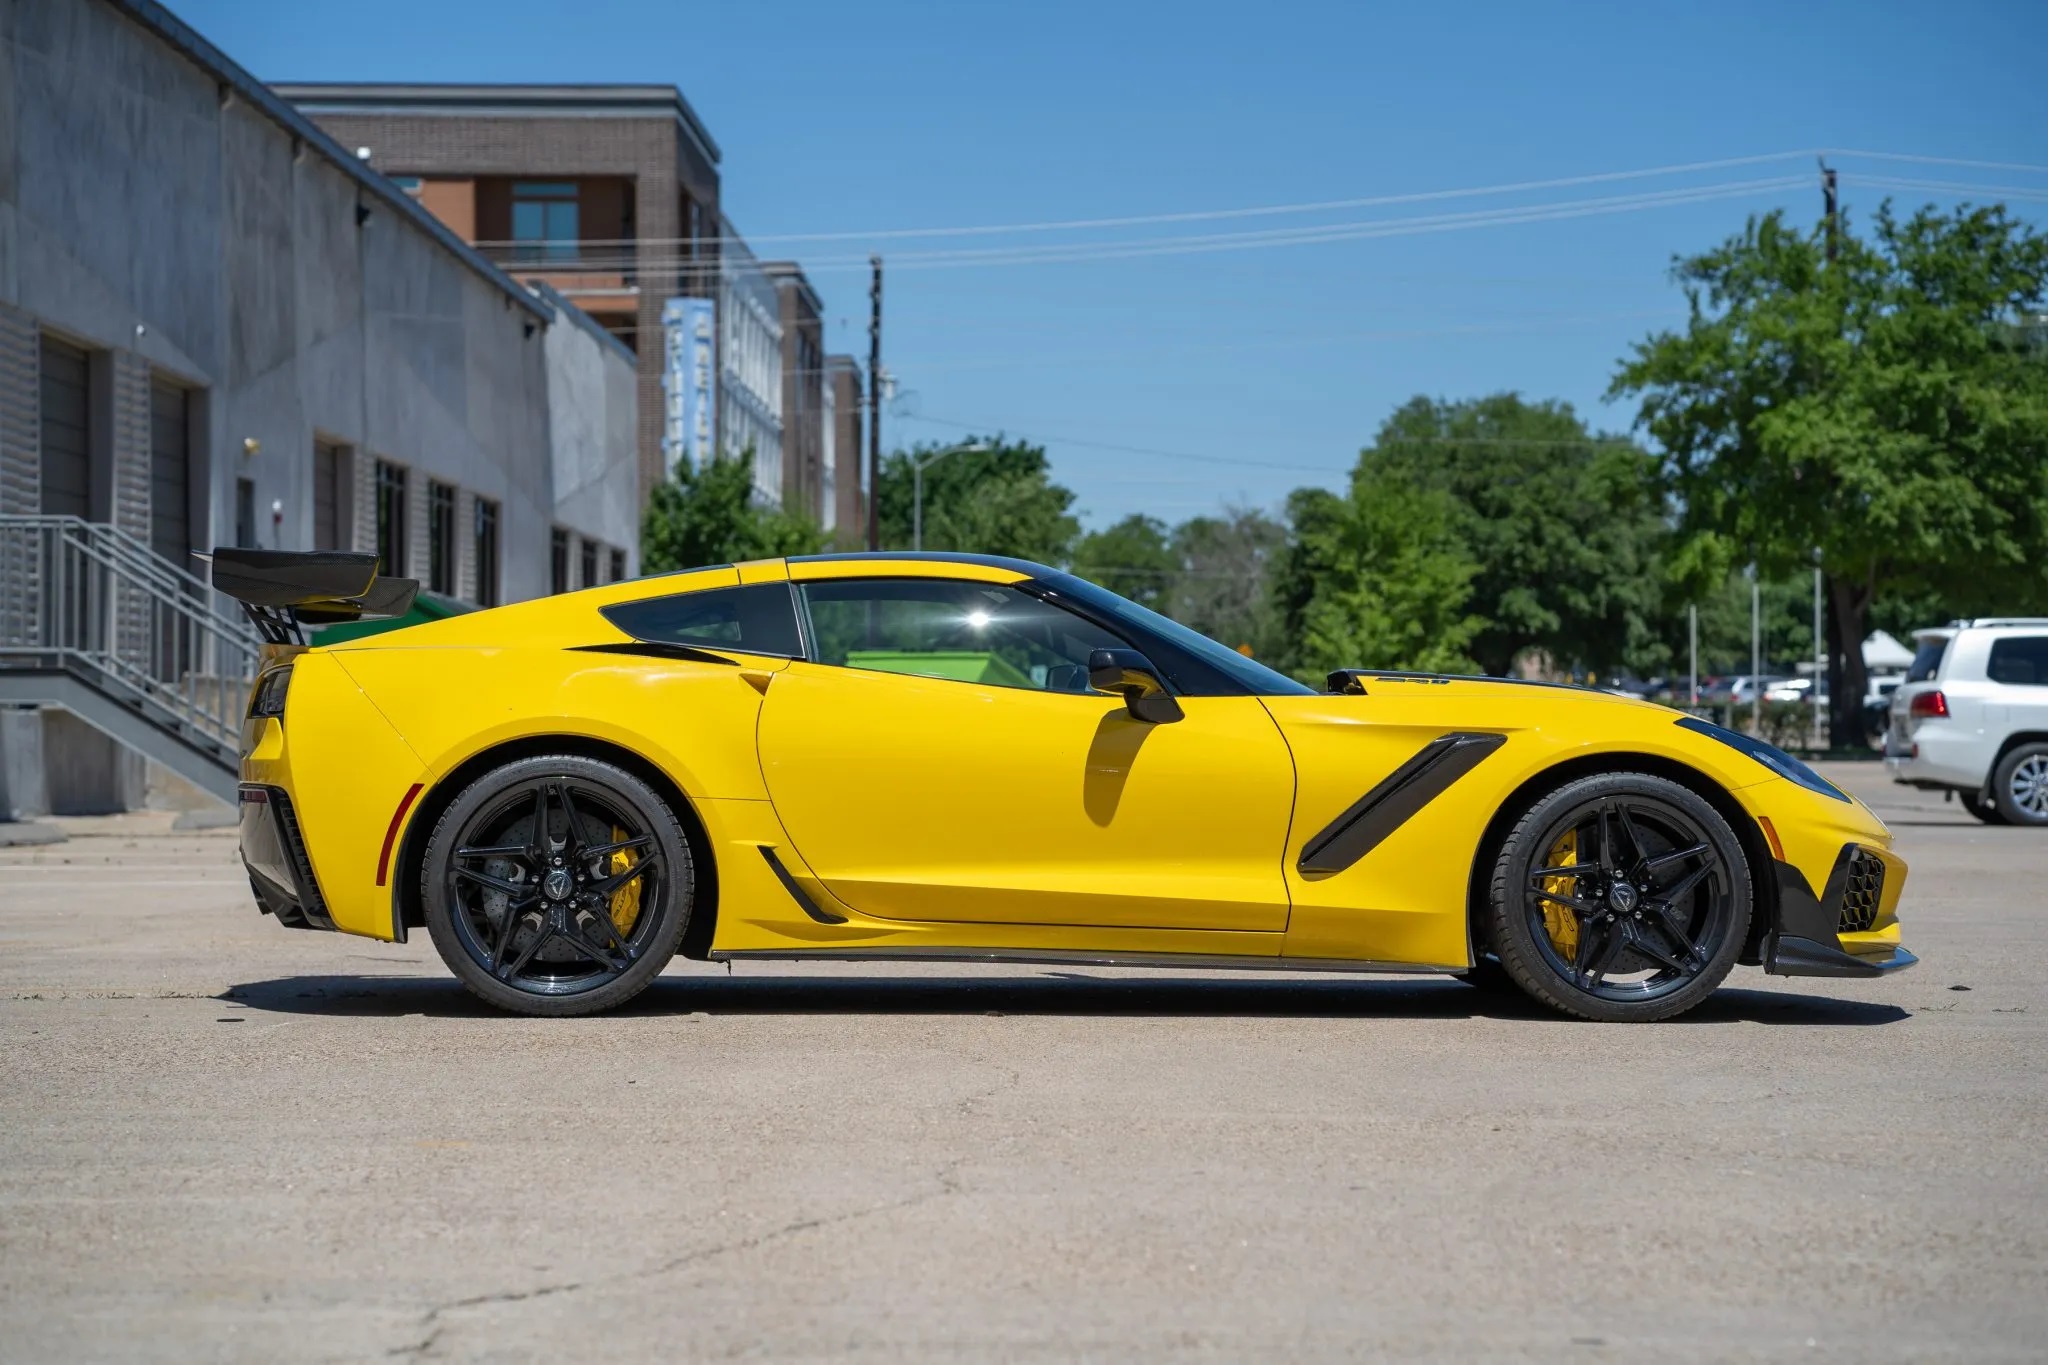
(1932, 705)
(268, 699)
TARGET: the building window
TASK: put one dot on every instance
(409, 183)
(558, 562)
(486, 553)
(390, 519)
(618, 566)
(589, 565)
(330, 497)
(440, 538)
(245, 513)
(544, 219)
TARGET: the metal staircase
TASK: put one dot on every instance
(94, 621)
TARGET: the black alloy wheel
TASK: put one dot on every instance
(557, 885)
(1621, 897)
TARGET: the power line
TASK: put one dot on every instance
(1363, 229)
(1046, 439)
(1264, 210)
(1936, 160)
(1042, 438)
(2030, 194)
(1305, 207)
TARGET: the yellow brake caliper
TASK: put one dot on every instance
(625, 906)
(1558, 920)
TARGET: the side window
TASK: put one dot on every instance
(756, 619)
(940, 628)
(2020, 659)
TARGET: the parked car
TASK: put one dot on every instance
(1795, 689)
(1972, 718)
(1877, 707)
(1738, 691)
(971, 758)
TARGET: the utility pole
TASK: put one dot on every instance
(875, 406)
(1830, 208)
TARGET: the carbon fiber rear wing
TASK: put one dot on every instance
(284, 590)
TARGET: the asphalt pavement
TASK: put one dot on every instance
(220, 1139)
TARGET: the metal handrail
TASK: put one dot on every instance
(93, 601)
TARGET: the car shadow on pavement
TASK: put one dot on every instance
(1047, 993)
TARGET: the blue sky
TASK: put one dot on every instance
(1272, 362)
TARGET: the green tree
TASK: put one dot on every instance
(1228, 570)
(708, 515)
(1000, 501)
(1563, 524)
(1871, 399)
(1134, 557)
(1378, 578)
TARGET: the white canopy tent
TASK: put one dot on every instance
(1883, 654)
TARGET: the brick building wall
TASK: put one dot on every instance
(663, 164)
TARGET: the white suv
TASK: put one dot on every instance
(1972, 718)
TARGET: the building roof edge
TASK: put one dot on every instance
(196, 49)
(343, 97)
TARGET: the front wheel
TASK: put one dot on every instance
(1621, 897)
(2020, 785)
(557, 885)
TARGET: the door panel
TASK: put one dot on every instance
(170, 478)
(926, 798)
(66, 445)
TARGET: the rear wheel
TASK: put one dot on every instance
(557, 885)
(1621, 897)
(2020, 785)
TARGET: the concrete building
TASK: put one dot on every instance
(846, 462)
(217, 325)
(803, 389)
(608, 193)
(749, 364)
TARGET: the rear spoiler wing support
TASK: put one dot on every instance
(283, 591)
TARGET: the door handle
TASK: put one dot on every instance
(757, 679)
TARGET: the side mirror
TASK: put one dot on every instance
(1128, 674)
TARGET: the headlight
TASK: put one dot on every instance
(1770, 755)
(268, 698)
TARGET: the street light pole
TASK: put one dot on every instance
(1820, 655)
(1756, 652)
(917, 485)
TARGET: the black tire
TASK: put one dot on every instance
(1486, 974)
(1664, 899)
(609, 849)
(2019, 785)
(1987, 811)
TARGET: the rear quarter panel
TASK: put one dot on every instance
(368, 719)
(346, 770)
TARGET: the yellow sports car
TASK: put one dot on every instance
(968, 758)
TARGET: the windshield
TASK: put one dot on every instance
(1249, 674)
(1927, 660)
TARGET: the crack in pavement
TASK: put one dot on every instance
(433, 1322)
